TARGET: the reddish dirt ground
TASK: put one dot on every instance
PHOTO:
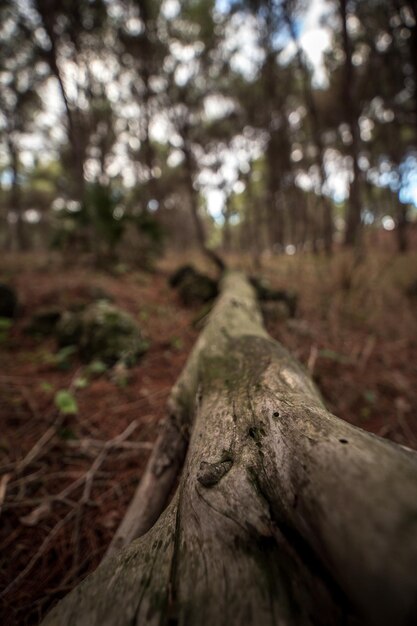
(60, 544)
(53, 530)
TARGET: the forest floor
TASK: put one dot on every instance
(66, 480)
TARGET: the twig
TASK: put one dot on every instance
(46, 437)
(135, 403)
(11, 377)
(89, 478)
(367, 351)
(37, 554)
(23, 480)
(3, 488)
(405, 427)
(97, 443)
(312, 359)
(29, 401)
(155, 485)
(35, 451)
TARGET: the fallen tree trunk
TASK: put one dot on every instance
(284, 513)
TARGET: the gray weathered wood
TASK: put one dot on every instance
(284, 513)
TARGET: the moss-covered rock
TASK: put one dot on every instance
(197, 289)
(274, 311)
(8, 301)
(69, 329)
(180, 274)
(193, 287)
(266, 294)
(44, 321)
(102, 331)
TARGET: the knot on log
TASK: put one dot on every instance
(211, 473)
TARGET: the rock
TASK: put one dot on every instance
(69, 330)
(8, 301)
(102, 331)
(180, 274)
(44, 322)
(274, 311)
(266, 294)
(193, 287)
(197, 289)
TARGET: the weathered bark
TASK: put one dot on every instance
(284, 513)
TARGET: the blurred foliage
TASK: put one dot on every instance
(119, 122)
(66, 402)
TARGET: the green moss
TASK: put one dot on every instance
(238, 362)
(219, 370)
(104, 332)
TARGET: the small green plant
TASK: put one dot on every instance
(120, 269)
(65, 402)
(97, 367)
(5, 325)
(143, 315)
(81, 382)
(66, 433)
(176, 343)
(62, 358)
(46, 387)
(370, 396)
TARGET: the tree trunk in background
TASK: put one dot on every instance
(275, 210)
(255, 220)
(312, 222)
(303, 222)
(274, 150)
(402, 226)
(76, 131)
(144, 76)
(74, 134)
(353, 216)
(284, 515)
(194, 204)
(326, 207)
(412, 6)
(227, 235)
(18, 240)
(276, 222)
